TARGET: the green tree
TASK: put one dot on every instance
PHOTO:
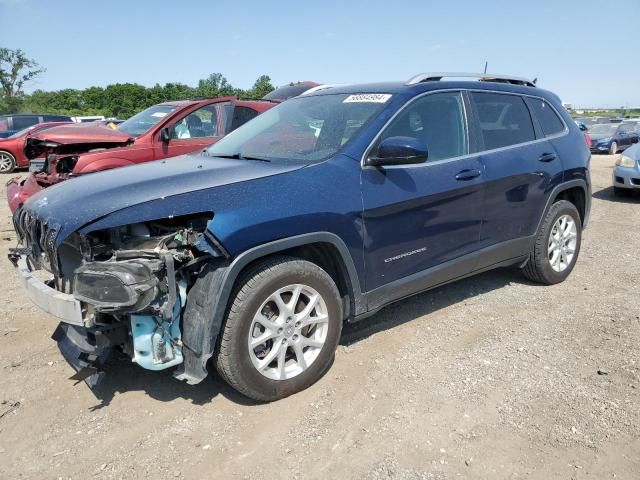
(16, 69)
(125, 99)
(261, 87)
(215, 85)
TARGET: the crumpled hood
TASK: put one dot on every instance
(70, 205)
(74, 138)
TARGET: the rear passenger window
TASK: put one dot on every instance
(546, 116)
(504, 119)
(438, 121)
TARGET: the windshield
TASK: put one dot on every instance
(603, 129)
(141, 122)
(304, 129)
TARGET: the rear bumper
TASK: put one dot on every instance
(19, 190)
(62, 306)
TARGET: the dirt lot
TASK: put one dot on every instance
(492, 377)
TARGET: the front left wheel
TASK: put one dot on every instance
(282, 329)
(7, 162)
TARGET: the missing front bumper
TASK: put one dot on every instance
(62, 306)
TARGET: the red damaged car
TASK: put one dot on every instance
(164, 130)
(12, 148)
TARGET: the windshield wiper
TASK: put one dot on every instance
(238, 156)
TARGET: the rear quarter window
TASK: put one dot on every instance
(504, 119)
(548, 119)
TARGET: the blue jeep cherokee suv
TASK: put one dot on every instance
(320, 211)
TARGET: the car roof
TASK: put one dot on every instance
(416, 88)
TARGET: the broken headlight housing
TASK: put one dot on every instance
(115, 285)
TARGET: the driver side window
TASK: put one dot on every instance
(438, 121)
(199, 124)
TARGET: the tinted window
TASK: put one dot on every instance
(504, 119)
(546, 115)
(289, 91)
(24, 121)
(57, 118)
(436, 120)
(241, 115)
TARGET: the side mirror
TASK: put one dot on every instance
(165, 135)
(399, 151)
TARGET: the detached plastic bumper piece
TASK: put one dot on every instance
(87, 349)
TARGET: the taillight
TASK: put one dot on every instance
(588, 139)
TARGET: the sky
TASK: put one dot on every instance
(585, 51)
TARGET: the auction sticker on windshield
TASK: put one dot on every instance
(367, 98)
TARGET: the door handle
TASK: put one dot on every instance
(547, 157)
(467, 174)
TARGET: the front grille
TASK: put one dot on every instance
(635, 181)
(35, 234)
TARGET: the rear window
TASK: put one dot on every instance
(546, 116)
(289, 91)
(504, 119)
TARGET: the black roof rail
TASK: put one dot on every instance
(480, 77)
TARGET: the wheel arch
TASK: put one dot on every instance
(205, 313)
(325, 249)
(575, 191)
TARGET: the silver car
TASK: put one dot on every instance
(626, 173)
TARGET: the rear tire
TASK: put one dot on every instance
(270, 303)
(7, 162)
(551, 244)
(613, 148)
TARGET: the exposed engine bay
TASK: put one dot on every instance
(132, 283)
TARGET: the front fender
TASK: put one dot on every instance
(208, 299)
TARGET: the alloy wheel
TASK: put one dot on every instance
(562, 243)
(288, 332)
(6, 162)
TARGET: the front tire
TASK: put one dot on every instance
(282, 329)
(557, 245)
(613, 148)
(7, 162)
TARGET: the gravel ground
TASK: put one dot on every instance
(490, 377)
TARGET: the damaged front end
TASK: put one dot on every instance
(122, 288)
